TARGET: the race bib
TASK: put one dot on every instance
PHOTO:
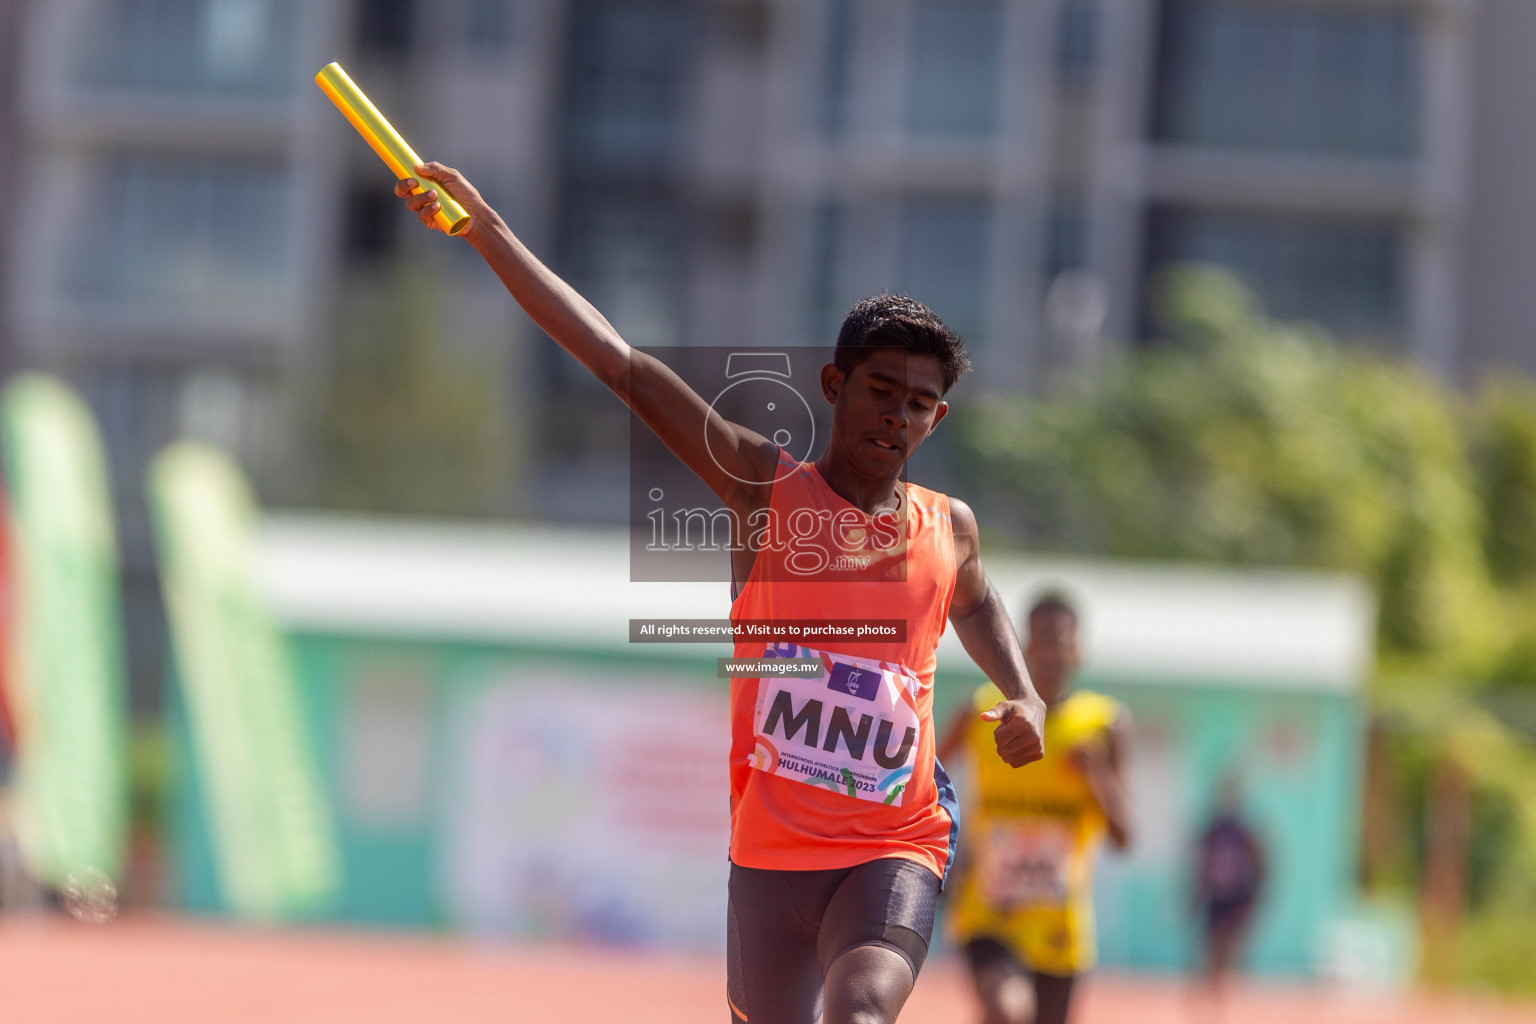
(853, 731)
(1025, 863)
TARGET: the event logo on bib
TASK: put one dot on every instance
(854, 730)
(863, 683)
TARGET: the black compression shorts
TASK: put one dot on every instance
(785, 928)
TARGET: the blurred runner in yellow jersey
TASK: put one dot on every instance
(1023, 909)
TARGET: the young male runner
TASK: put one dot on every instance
(1023, 910)
(841, 832)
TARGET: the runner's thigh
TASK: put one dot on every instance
(886, 903)
(771, 972)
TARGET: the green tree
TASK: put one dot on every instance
(408, 426)
(1238, 439)
(1503, 445)
(1502, 441)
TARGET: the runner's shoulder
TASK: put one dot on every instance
(1103, 710)
(963, 525)
(769, 463)
(959, 511)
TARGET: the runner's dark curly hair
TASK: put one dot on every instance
(896, 321)
(1053, 602)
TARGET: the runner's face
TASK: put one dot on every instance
(884, 408)
(1051, 653)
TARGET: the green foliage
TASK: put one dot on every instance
(1503, 446)
(1493, 944)
(409, 427)
(1241, 440)
(1502, 443)
(1494, 947)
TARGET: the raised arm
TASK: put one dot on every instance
(661, 399)
(981, 622)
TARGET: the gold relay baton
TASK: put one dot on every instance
(386, 142)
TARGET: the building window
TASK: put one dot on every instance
(622, 231)
(826, 308)
(945, 261)
(199, 233)
(626, 107)
(624, 216)
(1077, 39)
(1066, 236)
(1333, 79)
(371, 222)
(1345, 275)
(623, 249)
(836, 92)
(225, 47)
(953, 72)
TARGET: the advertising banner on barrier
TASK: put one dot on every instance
(274, 836)
(580, 809)
(66, 667)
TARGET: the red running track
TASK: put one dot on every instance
(162, 971)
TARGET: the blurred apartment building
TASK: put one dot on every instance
(201, 224)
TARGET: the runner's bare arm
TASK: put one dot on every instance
(657, 395)
(1103, 764)
(981, 622)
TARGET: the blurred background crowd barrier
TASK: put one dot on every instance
(1247, 284)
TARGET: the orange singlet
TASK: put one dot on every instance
(841, 770)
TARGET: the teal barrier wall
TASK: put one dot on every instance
(1298, 754)
(404, 733)
(385, 718)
